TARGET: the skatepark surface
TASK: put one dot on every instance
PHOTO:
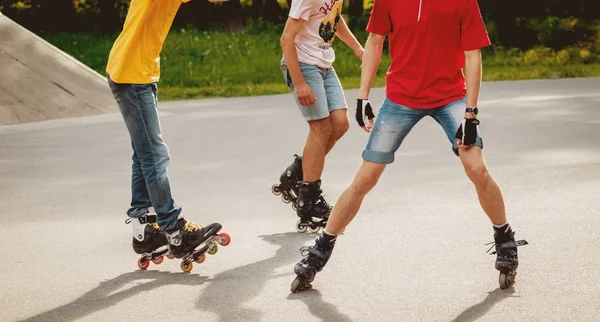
(415, 252)
(40, 82)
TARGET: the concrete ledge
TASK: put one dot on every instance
(41, 82)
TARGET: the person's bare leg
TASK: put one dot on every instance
(349, 203)
(488, 191)
(313, 156)
(339, 127)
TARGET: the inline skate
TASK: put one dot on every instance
(148, 240)
(507, 259)
(315, 258)
(190, 242)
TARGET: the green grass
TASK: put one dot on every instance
(197, 64)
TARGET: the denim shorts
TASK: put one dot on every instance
(394, 122)
(326, 85)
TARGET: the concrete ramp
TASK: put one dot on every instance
(40, 82)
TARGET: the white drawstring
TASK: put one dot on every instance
(420, 6)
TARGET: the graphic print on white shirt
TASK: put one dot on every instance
(313, 42)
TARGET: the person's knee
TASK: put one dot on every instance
(161, 155)
(363, 184)
(366, 178)
(476, 170)
(340, 128)
(320, 129)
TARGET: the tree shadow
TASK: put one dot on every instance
(478, 310)
(101, 297)
(228, 291)
(318, 307)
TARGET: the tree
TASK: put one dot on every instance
(355, 13)
(109, 17)
(236, 20)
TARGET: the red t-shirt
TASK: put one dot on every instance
(427, 41)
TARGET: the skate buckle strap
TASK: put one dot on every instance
(145, 219)
(511, 244)
(306, 250)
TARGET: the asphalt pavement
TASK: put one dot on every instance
(415, 252)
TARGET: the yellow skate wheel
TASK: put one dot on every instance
(158, 260)
(201, 259)
(214, 250)
(186, 267)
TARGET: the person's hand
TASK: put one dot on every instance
(305, 95)
(364, 114)
(467, 133)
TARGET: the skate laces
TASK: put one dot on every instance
(502, 250)
(190, 226)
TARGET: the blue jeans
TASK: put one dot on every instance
(326, 85)
(394, 122)
(149, 182)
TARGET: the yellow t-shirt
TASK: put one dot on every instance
(135, 55)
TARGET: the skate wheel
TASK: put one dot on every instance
(226, 237)
(158, 260)
(299, 285)
(201, 259)
(170, 257)
(295, 285)
(276, 189)
(214, 250)
(285, 197)
(186, 267)
(506, 280)
(314, 230)
(143, 264)
(295, 206)
(300, 227)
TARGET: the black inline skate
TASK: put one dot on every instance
(289, 182)
(148, 240)
(315, 258)
(190, 242)
(312, 209)
(507, 259)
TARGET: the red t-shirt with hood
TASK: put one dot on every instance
(427, 40)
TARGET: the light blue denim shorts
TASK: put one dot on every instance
(326, 85)
(394, 122)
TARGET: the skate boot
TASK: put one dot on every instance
(148, 240)
(313, 210)
(289, 182)
(507, 259)
(190, 242)
(314, 260)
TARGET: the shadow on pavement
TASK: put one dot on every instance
(320, 309)
(101, 298)
(228, 291)
(478, 310)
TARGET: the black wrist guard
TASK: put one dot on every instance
(470, 133)
(364, 112)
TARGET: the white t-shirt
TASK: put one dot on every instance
(313, 42)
